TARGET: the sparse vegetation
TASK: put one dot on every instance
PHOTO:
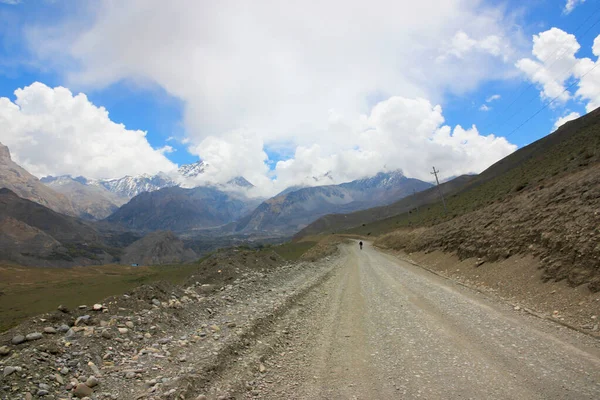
(29, 291)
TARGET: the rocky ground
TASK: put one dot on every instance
(558, 222)
(353, 324)
(156, 342)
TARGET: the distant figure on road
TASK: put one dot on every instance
(360, 244)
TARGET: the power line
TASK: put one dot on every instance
(497, 119)
(551, 101)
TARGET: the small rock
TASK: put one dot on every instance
(64, 370)
(8, 371)
(70, 333)
(28, 396)
(83, 318)
(202, 397)
(97, 307)
(82, 390)
(92, 381)
(261, 368)
(62, 308)
(94, 369)
(59, 379)
(129, 324)
(49, 330)
(130, 375)
(82, 307)
(106, 334)
(4, 351)
(123, 330)
(156, 302)
(63, 328)
(517, 308)
(18, 339)
(42, 393)
(33, 336)
(44, 386)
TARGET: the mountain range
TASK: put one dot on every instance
(97, 199)
(62, 221)
(291, 211)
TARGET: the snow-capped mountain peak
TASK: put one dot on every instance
(192, 170)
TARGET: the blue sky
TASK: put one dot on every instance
(217, 110)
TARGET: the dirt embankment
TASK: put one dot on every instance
(558, 224)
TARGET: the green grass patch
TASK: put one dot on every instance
(29, 291)
(292, 251)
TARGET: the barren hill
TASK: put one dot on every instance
(27, 186)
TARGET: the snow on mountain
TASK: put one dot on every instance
(192, 170)
(130, 186)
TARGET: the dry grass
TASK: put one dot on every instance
(29, 291)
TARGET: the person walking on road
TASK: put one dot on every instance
(360, 244)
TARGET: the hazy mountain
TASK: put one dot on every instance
(89, 201)
(289, 212)
(27, 186)
(128, 187)
(157, 248)
(180, 209)
(33, 234)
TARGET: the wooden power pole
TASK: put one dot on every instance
(439, 189)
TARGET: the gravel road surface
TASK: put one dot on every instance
(381, 328)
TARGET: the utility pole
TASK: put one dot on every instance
(439, 189)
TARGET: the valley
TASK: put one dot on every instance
(198, 292)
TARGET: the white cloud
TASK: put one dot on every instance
(462, 45)
(555, 51)
(485, 107)
(564, 119)
(11, 2)
(277, 67)
(287, 75)
(571, 4)
(50, 131)
(555, 68)
(399, 133)
(493, 97)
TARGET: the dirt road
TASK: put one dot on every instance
(380, 328)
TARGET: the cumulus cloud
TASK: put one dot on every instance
(291, 76)
(493, 97)
(399, 133)
(50, 131)
(564, 119)
(485, 107)
(571, 4)
(555, 51)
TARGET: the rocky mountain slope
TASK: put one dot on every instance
(291, 211)
(27, 186)
(32, 234)
(157, 248)
(342, 221)
(91, 202)
(180, 209)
